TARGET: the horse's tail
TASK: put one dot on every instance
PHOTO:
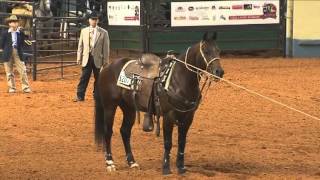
(99, 119)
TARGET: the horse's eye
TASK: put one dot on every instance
(218, 50)
(206, 51)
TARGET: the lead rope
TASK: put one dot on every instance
(186, 63)
(205, 94)
(245, 89)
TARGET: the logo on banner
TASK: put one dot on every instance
(214, 18)
(131, 18)
(223, 17)
(180, 18)
(191, 8)
(136, 16)
(224, 7)
(180, 9)
(205, 18)
(237, 7)
(247, 6)
(193, 18)
(202, 8)
(269, 11)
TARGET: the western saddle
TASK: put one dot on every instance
(146, 67)
(143, 73)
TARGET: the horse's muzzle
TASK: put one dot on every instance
(219, 72)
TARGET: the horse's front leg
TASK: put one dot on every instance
(167, 136)
(183, 128)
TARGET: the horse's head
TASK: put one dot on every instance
(208, 57)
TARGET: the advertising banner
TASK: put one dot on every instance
(124, 13)
(215, 13)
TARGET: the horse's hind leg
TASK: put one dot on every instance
(126, 127)
(109, 113)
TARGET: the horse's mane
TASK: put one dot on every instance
(181, 56)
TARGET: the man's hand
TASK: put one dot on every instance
(78, 62)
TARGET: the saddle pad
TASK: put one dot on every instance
(123, 80)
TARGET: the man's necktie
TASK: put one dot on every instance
(91, 39)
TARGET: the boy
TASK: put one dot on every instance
(12, 45)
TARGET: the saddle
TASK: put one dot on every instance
(146, 67)
(139, 76)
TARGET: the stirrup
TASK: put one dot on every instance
(148, 125)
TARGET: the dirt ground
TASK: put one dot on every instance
(235, 135)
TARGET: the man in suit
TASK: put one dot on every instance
(12, 44)
(93, 52)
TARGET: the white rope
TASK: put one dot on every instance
(186, 63)
(250, 91)
(204, 57)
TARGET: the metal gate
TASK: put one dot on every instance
(56, 43)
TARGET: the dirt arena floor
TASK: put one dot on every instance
(235, 135)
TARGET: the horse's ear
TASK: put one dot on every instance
(214, 36)
(205, 36)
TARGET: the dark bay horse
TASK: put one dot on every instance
(178, 103)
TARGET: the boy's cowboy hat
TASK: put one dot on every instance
(12, 18)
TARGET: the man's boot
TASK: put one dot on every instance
(148, 122)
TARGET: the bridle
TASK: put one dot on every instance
(208, 63)
(205, 59)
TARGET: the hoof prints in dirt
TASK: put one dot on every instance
(210, 170)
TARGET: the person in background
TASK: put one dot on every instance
(93, 52)
(12, 44)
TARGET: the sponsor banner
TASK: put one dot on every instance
(124, 13)
(215, 13)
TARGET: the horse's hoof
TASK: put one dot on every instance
(166, 171)
(111, 168)
(134, 166)
(182, 170)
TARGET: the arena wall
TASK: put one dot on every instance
(303, 28)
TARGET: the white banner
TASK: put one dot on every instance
(124, 13)
(215, 13)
